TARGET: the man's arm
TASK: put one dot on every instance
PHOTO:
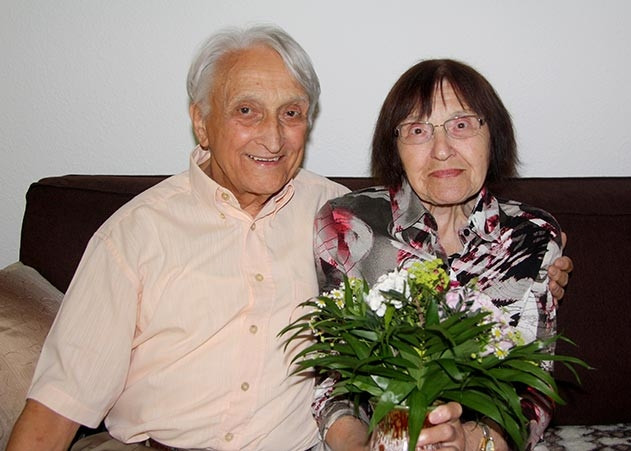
(348, 434)
(40, 428)
(559, 272)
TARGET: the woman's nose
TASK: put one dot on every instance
(441, 146)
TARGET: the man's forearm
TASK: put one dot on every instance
(40, 428)
(348, 433)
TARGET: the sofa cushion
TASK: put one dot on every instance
(28, 303)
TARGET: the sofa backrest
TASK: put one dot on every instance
(63, 212)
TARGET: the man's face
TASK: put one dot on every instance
(257, 125)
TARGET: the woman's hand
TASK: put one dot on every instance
(449, 433)
(446, 432)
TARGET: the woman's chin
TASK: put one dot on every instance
(448, 199)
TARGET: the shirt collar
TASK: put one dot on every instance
(408, 210)
(213, 193)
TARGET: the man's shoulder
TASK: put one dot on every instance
(306, 179)
(154, 198)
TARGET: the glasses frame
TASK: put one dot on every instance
(397, 131)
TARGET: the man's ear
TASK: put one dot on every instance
(199, 126)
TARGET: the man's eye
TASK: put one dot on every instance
(245, 110)
(294, 114)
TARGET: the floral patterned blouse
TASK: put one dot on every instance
(507, 246)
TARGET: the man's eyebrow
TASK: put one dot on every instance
(301, 98)
(247, 97)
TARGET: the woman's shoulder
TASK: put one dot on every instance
(368, 206)
(365, 196)
(516, 214)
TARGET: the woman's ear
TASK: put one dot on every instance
(199, 125)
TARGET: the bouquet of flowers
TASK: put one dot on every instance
(416, 339)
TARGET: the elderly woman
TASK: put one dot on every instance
(443, 135)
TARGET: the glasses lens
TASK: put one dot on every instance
(415, 132)
(462, 127)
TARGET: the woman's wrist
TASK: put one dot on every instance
(475, 436)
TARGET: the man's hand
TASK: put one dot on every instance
(559, 273)
(40, 428)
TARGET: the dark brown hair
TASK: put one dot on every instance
(416, 89)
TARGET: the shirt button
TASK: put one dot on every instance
(259, 277)
(225, 196)
(253, 329)
(229, 436)
(253, 226)
(245, 386)
(222, 216)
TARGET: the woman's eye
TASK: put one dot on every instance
(416, 130)
(462, 124)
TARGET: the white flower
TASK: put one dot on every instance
(396, 280)
(376, 302)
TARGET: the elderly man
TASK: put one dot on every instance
(169, 328)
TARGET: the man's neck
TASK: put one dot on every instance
(250, 204)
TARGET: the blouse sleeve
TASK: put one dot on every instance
(327, 239)
(325, 247)
(537, 407)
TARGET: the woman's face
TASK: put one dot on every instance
(446, 171)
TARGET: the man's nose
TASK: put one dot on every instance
(271, 134)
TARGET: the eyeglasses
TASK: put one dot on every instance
(459, 127)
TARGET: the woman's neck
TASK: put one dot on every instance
(450, 220)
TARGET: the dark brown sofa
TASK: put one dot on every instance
(63, 212)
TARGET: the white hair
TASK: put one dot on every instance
(201, 73)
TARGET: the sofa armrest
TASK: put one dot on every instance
(28, 305)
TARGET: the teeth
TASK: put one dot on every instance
(265, 160)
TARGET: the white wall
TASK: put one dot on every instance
(99, 86)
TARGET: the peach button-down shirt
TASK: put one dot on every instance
(169, 328)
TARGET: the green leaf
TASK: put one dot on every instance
(451, 369)
(511, 375)
(418, 409)
(431, 315)
(486, 405)
(361, 350)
